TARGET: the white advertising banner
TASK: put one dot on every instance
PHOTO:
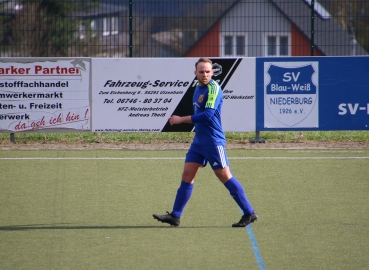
(140, 94)
(38, 94)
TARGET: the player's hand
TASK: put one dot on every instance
(174, 120)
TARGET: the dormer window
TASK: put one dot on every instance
(18, 7)
(277, 45)
(234, 44)
(110, 26)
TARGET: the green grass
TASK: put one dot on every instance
(78, 210)
(182, 137)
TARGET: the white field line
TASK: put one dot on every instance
(175, 158)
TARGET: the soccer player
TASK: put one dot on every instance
(208, 146)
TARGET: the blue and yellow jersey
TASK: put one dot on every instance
(207, 107)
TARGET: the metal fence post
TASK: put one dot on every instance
(257, 138)
(12, 138)
(130, 28)
(312, 27)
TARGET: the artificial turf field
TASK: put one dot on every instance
(92, 209)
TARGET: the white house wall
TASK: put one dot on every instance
(247, 14)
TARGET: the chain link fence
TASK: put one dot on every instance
(181, 28)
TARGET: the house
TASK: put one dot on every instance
(103, 18)
(106, 24)
(170, 28)
(232, 28)
(10, 6)
(274, 28)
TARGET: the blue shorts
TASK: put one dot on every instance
(214, 154)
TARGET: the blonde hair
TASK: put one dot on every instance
(204, 60)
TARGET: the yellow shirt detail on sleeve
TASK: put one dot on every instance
(213, 90)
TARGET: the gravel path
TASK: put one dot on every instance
(159, 146)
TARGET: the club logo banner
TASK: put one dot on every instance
(291, 95)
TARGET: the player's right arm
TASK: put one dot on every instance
(175, 120)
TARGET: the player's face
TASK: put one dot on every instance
(203, 73)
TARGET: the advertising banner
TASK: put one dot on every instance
(140, 94)
(312, 93)
(38, 94)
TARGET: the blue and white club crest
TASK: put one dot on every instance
(291, 95)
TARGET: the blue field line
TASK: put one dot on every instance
(254, 244)
(255, 247)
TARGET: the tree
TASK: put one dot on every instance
(45, 28)
(4, 29)
(353, 15)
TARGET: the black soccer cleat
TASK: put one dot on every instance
(168, 218)
(246, 220)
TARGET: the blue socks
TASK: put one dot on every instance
(233, 185)
(183, 195)
(239, 195)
